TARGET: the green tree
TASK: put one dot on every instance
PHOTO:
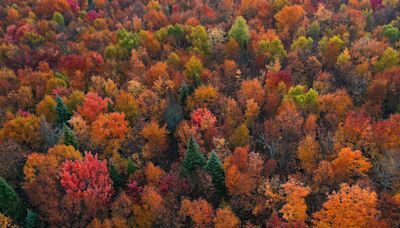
(199, 39)
(194, 159)
(173, 114)
(58, 18)
(117, 179)
(63, 115)
(216, 170)
(31, 220)
(130, 167)
(307, 101)
(91, 5)
(193, 70)
(240, 32)
(10, 203)
(70, 137)
(390, 32)
(389, 59)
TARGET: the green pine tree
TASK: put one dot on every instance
(130, 167)
(117, 179)
(91, 5)
(63, 115)
(10, 204)
(70, 137)
(31, 220)
(194, 159)
(110, 108)
(216, 170)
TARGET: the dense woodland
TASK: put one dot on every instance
(199, 113)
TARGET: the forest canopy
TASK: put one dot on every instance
(180, 113)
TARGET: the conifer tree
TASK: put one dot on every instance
(63, 115)
(216, 170)
(10, 204)
(70, 137)
(194, 159)
(91, 5)
(117, 179)
(130, 167)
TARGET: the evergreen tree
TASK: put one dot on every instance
(194, 159)
(91, 5)
(173, 114)
(216, 170)
(70, 137)
(31, 220)
(184, 92)
(130, 167)
(63, 115)
(10, 203)
(117, 179)
(110, 108)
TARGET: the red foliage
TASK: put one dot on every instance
(87, 178)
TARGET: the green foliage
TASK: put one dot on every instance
(392, 33)
(176, 31)
(389, 59)
(274, 49)
(128, 40)
(184, 92)
(110, 108)
(305, 100)
(91, 5)
(117, 179)
(31, 220)
(240, 32)
(130, 167)
(116, 52)
(193, 160)
(325, 42)
(70, 137)
(10, 203)
(173, 114)
(193, 70)
(303, 43)
(199, 39)
(216, 170)
(63, 115)
(58, 18)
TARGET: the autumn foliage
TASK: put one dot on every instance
(230, 113)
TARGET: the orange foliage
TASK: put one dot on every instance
(295, 207)
(200, 211)
(350, 207)
(225, 218)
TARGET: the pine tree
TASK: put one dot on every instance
(110, 108)
(173, 114)
(130, 167)
(194, 159)
(91, 5)
(117, 179)
(70, 137)
(216, 170)
(184, 92)
(31, 220)
(10, 203)
(63, 115)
